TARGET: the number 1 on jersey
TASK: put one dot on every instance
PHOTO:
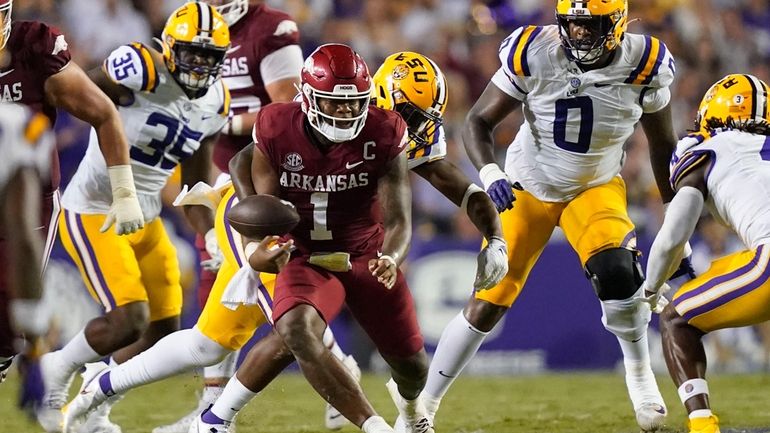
(320, 202)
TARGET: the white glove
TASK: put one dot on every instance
(212, 247)
(492, 264)
(125, 212)
(656, 301)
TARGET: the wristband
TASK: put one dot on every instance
(121, 181)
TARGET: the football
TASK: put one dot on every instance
(262, 215)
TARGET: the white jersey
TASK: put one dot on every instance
(433, 151)
(738, 179)
(163, 127)
(577, 122)
(26, 140)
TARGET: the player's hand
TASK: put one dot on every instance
(212, 247)
(268, 255)
(385, 269)
(492, 264)
(685, 266)
(125, 211)
(654, 297)
(499, 187)
(4, 367)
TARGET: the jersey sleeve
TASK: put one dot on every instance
(655, 71)
(514, 54)
(285, 33)
(132, 66)
(688, 156)
(50, 47)
(434, 151)
(257, 137)
(400, 138)
(283, 63)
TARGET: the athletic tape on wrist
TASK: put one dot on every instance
(472, 189)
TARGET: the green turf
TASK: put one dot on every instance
(557, 403)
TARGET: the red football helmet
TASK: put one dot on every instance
(5, 24)
(336, 72)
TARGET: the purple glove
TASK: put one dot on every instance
(498, 186)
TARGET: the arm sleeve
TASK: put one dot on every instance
(283, 63)
(666, 252)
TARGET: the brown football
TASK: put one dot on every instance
(257, 216)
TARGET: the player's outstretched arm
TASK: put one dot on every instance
(71, 90)
(197, 168)
(263, 176)
(679, 224)
(490, 109)
(659, 129)
(396, 199)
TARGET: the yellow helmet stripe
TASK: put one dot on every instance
(149, 73)
(205, 18)
(519, 48)
(224, 110)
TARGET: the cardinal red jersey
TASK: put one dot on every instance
(34, 52)
(335, 192)
(262, 31)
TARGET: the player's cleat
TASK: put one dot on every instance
(703, 425)
(4, 366)
(57, 385)
(431, 405)
(643, 390)
(98, 421)
(414, 414)
(183, 424)
(212, 424)
(87, 401)
(650, 416)
(333, 419)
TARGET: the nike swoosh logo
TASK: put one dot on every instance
(353, 165)
(233, 49)
(3, 74)
(441, 372)
(335, 416)
(602, 84)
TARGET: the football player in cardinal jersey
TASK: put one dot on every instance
(414, 86)
(25, 143)
(173, 105)
(582, 84)
(36, 70)
(724, 166)
(262, 66)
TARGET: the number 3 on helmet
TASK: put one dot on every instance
(736, 101)
(195, 41)
(414, 86)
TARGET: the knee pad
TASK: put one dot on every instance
(203, 350)
(615, 274)
(626, 318)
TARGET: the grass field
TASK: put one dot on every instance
(555, 403)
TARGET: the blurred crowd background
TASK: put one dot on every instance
(708, 38)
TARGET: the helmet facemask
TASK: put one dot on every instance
(196, 65)
(336, 128)
(421, 125)
(588, 50)
(231, 11)
(5, 24)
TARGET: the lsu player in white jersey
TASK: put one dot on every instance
(26, 142)
(582, 85)
(723, 165)
(173, 105)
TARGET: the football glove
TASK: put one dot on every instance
(492, 264)
(212, 247)
(685, 266)
(498, 186)
(125, 211)
(654, 298)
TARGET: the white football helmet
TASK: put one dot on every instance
(231, 11)
(5, 25)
